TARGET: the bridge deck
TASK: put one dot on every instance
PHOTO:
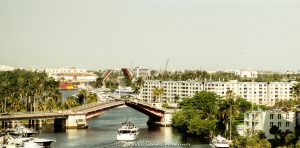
(81, 110)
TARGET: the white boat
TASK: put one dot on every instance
(22, 130)
(219, 142)
(43, 142)
(29, 142)
(127, 132)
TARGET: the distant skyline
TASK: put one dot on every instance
(192, 34)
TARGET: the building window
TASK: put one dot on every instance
(271, 116)
(271, 124)
(279, 124)
(279, 116)
(287, 116)
(287, 124)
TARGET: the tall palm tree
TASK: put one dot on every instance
(137, 85)
(296, 91)
(158, 92)
(228, 109)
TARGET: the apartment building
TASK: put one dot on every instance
(263, 120)
(266, 93)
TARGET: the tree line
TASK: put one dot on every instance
(207, 114)
(27, 91)
(202, 75)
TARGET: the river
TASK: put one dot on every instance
(103, 129)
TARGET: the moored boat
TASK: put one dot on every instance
(219, 142)
(43, 142)
(22, 130)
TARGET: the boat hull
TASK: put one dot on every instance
(220, 145)
(44, 143)
(127, 137)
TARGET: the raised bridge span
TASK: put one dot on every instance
(74, 117)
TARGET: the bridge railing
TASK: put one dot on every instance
(90, 105)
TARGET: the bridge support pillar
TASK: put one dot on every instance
(29, 123)
(166, 120)
(76, 121)
(13, 124)
(6, 124)
(59, 125)
(32, 123)
(39, 123)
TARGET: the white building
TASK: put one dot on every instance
(76, 77)
(266, 93)
(72, 74)
(51, 71)
(6, 68)
(244, 73)
(263, 120)
(140, 72)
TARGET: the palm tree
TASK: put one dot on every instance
(91, 98)
(138, 84)
(227, 109)
(50, 104)
(71, 102)
(158, 92)
(296, 91)
(82, 96)
(21, 87)
(41, 106)
(176, 98)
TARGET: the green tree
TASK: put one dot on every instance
(137, 85)
(164, 105)
(92, 98)
(298, 143)
(82, 96)
(70, 102)
(98, 83)
(23, 90)
(204, 101)
(240, 142)
(201, 127)
(296, 91)
(158, 92)
(198, 114)
(274, 130)
(242, 104)
(251, 142)
(227, 110)
(261, 135)
(179, 120)
(290, 138)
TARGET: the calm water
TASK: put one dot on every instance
(103, 129)
(67, 93)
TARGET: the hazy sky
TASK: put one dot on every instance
(193, 34)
